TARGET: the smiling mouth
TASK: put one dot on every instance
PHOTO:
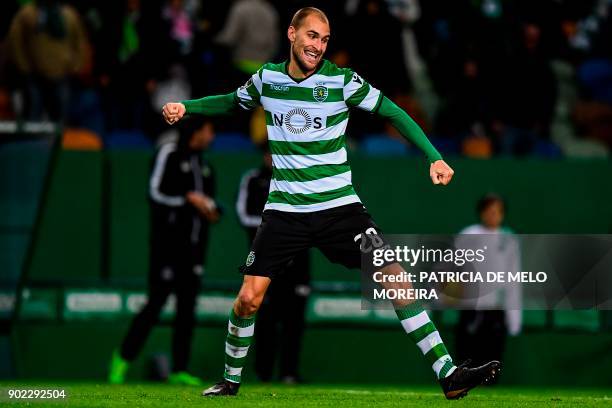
(311, 56)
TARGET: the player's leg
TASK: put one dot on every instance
(240, 330)
(455, 381)
(339, 237)
(279, 238)
(241, 326)
(419, 327)
(341, 244)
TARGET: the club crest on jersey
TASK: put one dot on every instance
(250, 259)
(319, 93)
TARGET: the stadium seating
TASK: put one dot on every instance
(127, 139)
(445, 146)
(86, 111)
(383, 145)
(232, 142)
(81, 139)
(477, 147)
(547, 149)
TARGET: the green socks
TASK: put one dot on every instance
(239, 335)
(423, 332)
(413, 318)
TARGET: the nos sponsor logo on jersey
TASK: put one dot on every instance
(319, 93)
(297, 121)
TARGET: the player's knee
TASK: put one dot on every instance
(247, 303)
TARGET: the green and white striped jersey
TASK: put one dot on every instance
(306, 123)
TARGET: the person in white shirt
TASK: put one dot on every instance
(495, 310)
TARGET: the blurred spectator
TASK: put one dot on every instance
(252, 32)
(496, 307)
(482, 68)
(47, 44)
(524, 95)
(208, 63)
(466, 107)
(591, 34)
(593, 112)
(123, 70)
(594, 120)
(386, 70)
(175, 15)
(493, 17)
(407, 12)
(6, 107)
(6, 111)
(174, 86)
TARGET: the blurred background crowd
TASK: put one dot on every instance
(482, 77)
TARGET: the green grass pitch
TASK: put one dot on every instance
(258, 395)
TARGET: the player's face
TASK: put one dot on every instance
(493, 216)
(309, 42)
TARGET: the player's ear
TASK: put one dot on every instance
(291, 34)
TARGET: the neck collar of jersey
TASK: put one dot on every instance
(298, 80)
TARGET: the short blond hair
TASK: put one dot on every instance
(301, 14)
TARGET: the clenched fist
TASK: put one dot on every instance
(173, 112)
(440, 172)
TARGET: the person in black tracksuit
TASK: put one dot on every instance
(181, 196)
(285, 302)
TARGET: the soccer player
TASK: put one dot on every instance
(279, 326)
(312, 202)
